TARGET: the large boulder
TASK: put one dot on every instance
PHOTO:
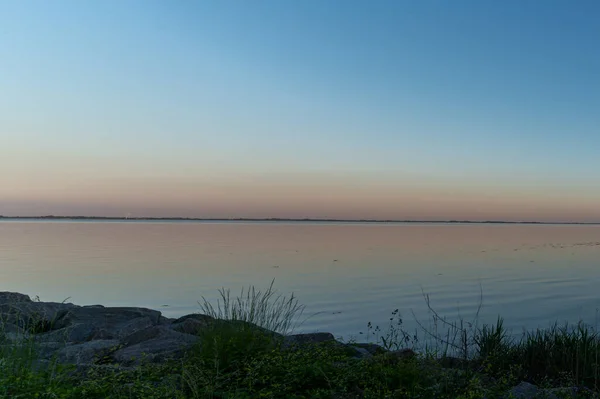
(153, 344)
(524, 390)
(88, 352)
(297, 340)
(85, 335)
(13, 297)
(192, 323)
(30, 315)
(81, 324)
(370, 348)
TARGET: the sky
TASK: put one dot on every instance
(381, 109)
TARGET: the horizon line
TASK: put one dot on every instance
(243, 219)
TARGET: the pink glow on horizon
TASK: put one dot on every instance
(326, 197)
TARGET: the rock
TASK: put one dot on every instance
(165, 321)
(88, 352)
(191, 324)
(304, 339)
(363, 350)
(110, 317)
(373, 349)
(77, 333)
(147, 334)
(36, 316)
(524, 390)
(87, 336)
(83, 324)
(47, 350)
(12, 333)
(194, 316)
(13, 297)
(360, 353)
(101, 334)
(153, 344)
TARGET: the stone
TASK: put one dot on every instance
(12, 332)
(524, 390)
(89, 336)
(13, 297)
(360, 353)
(304, 339)
(373, 349)
(84, 335)
(191, 324)
(194, 316)
(14, 337)
(48, 350)
(88, 323)
(153, 344)
(38, 316)
(77, 333)
(147, 334)
(87, 352)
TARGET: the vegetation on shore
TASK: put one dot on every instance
(242, 356)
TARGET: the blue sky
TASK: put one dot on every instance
(178, 107)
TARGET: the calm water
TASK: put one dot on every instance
(350, 273)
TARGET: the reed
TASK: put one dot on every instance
(267, 309)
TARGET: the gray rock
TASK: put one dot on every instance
(89, 323)
(147, 334)
(14, 337)
(524, 390)
(10, 328)
(39, 316)
(361, 353)
(165, 321)
(191, 324)
(82, 335)
(87, 336)
(13, 297)
(304, 339)
(373, 349)
(48, 350)
(194, 316)
(86, 353)
(154, 344)
(12, 333)
(73, 334)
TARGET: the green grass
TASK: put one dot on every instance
(240, 356)
(568, 355)
(267, 309)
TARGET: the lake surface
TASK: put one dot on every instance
(349, 274)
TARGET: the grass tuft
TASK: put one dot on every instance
(267, 309)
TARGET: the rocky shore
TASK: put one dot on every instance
(126, 337)
(123, 336)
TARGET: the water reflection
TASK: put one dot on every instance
(351, 274)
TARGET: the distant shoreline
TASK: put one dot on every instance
(175, 219)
